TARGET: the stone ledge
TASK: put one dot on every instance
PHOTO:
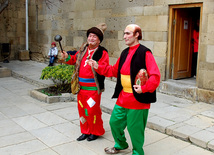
(187, 91)
(24, 55)
(179, 90)
(65, 97)
(29, 80)
(185, 132)
(206, 96)
(202, 139)
(4, 72)
(159, 124)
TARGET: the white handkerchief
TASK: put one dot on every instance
(91, 102)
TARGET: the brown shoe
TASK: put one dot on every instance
(112, 150)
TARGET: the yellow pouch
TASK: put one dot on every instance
(75, 87)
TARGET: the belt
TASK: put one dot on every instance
(88, 88)
(126, 83)
(86, 80)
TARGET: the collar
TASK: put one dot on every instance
(134, 47)
(90, 50)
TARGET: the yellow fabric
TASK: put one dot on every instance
(94, 119)
(126, 83)
(80, 104)
(75, 87)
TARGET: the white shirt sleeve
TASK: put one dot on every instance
(55, 51)
(49, 53)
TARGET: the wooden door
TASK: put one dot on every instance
(182, 54)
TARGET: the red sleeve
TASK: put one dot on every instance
(71, 60)
(153, 73)
(104, 60)
(108, 70)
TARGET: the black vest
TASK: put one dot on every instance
(97, 56)
(137, 63)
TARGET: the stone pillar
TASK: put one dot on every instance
(24, 55)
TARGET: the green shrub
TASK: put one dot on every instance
(60, 75)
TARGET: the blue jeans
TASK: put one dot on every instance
(52, 60)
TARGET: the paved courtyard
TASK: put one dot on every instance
(32, 127)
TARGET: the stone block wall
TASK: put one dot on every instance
(206, 48)
(12, 27)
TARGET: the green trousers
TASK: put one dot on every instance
(135, 121)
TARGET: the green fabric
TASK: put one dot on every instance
(86, 112)
(88, 88)
(68, 58)
(135, 121)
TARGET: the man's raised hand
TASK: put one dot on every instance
(92, 63)
(64, 54)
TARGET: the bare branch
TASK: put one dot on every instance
(4, 5)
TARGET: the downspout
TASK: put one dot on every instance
(27, 25)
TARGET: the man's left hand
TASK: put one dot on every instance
(137, 88)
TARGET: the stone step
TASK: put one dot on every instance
(4, 72)
(179, 88)
(29, 80)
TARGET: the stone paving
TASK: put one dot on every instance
(176, 126)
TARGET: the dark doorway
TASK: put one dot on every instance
(195, 40)
(184, 41)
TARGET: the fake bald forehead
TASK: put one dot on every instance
(132, 27)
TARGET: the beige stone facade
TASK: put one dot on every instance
(72, 18)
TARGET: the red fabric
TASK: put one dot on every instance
(53, 43)
(195, 37)
(73, 59)
(94, 122)
(89, 127)
(127, 100)
(85, 71)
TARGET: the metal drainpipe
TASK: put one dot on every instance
(27, 25)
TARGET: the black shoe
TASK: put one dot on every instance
(92, 137)
(82, 137)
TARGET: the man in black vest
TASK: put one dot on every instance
(133, 103)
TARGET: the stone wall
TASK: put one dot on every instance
(72, 18)
(12, 27)
(206, 47)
